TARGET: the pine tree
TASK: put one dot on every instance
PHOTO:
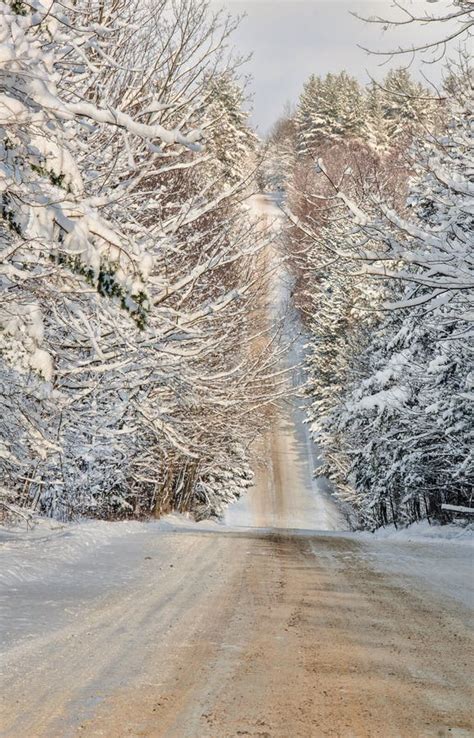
(308, 117)
(229, 135)
(408, 106)
(330, 109)
(376, 129)
(346, 118)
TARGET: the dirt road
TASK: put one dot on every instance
(286, 494)
(227, 633)
(270, 625)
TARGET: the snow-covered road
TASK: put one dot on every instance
(277, 622)
(162, 630)
(286, 494)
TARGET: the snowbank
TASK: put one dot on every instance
(433, 559)
(424, 532)
(27, 555)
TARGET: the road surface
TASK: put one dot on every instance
(279, 623)
(216, 633)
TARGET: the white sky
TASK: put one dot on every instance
(290, 39)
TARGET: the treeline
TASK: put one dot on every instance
(127, 375)
(337, 108)
(379, 237)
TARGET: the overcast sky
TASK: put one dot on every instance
(290, 39)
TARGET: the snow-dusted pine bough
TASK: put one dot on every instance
(126, 379)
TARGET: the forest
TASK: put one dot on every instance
(135, 373)
(236, 368)
(379, 236)
(127, 386)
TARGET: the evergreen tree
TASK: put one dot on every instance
(408, 107)
(330, 109)
(229, 135)
(376, 129)
(390, 361)
(308, 118)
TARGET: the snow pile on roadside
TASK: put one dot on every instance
(28, 555)
(439, 558)
(423, 531)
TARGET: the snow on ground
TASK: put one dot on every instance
(49, 573)
(435, 557)
(28, 554)
(51, 570)
(424, 531)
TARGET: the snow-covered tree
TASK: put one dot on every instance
(408, 108)
(231, 140)
(390, 373)
(126, 264)
(330, 108)
(376, 128)
(405, 424)
(279, 157)
(381, 247)
(430, 246)
(308, 116)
